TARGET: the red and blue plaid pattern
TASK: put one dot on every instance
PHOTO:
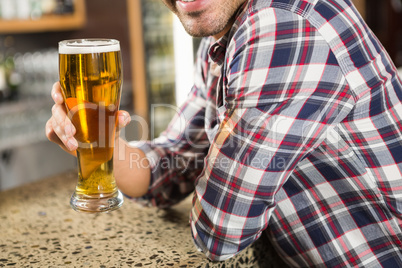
(292, 129)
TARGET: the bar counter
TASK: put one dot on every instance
(39, 229)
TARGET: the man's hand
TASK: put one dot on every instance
(132, 180)
(59, 128)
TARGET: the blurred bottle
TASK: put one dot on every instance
(3, 82)
(8, 9)
(10, 80)
(13, 78)
(23, 9)
(48, 6)
(64, 7)
(36, 9)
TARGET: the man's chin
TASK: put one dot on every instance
(199, 30)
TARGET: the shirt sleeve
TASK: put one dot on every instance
(176, 157)
(282, 96)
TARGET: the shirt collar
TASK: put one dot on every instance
(218, 48)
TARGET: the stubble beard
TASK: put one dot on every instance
(197, 24)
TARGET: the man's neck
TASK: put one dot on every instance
(222, 33)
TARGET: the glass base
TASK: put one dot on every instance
(96, 203)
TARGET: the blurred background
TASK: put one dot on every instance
(157, 62)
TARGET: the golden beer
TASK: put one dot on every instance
(91, 79)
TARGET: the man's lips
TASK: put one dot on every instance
(193, 6)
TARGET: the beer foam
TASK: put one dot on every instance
(88, 46)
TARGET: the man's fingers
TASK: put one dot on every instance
(53, 133)
(59, 128)
(59, 115)
(63, 127)
(50, 134)
(56, 93)
(124, 118)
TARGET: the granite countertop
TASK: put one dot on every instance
(39, 229)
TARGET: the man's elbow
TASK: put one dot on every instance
(215, 249)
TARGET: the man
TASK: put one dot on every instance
(292, 130)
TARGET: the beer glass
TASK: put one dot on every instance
(91, 78)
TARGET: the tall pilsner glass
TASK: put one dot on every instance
(91, 79)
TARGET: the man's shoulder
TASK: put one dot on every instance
(304, 8)
(340, 15)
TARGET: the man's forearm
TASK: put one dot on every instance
(131, 169)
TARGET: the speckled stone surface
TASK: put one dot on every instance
(39, 229)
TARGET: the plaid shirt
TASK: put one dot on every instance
(292, 129)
